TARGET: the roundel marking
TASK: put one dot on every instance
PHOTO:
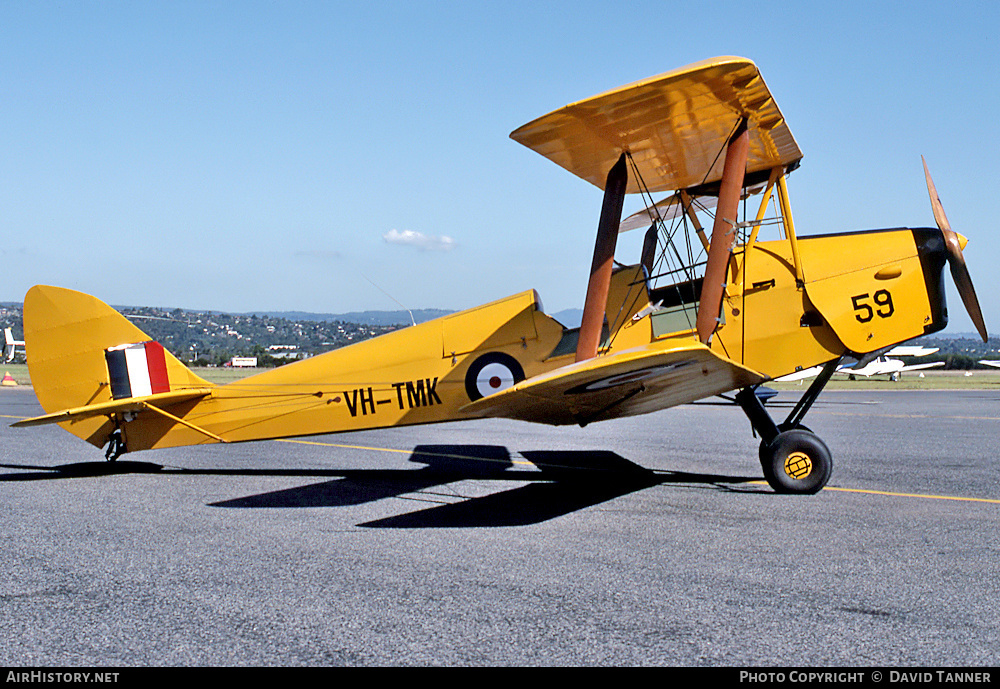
(492, 373)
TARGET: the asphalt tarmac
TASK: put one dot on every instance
(645, 541)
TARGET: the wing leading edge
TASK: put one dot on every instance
(635, 381)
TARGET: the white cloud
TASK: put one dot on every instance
(423, 242)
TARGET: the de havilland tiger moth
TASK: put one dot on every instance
(698, 315)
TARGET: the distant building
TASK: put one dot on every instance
(243, 362)
(285, 351)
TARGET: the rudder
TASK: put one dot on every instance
(82, 352)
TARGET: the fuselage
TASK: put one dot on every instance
(860, 292)
(785, 308)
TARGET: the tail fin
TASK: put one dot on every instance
(81, 352)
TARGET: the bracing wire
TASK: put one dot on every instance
(669, 251)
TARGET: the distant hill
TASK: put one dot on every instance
(362, 317)
(568, 317)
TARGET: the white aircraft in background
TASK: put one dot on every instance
(10, 345)
(995, 363)
(883, 364)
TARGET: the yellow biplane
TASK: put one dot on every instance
(697, 316)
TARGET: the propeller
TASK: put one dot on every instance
(956, 261)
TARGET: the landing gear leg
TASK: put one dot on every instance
(116, 446)
(793, 458)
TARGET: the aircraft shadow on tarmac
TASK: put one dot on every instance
(558, 482)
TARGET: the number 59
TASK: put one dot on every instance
(882, 301)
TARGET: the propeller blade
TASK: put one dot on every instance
(963, 281)
(956, 260)
(939, 217)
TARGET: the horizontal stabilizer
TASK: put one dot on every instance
(132, 404)
(632, 382)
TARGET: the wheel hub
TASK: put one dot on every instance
(798, 465)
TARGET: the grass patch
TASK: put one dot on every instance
(19, 372)
(223, 375)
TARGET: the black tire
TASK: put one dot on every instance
(782, 427)
(797, 461)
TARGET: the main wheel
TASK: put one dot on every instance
(796, 461)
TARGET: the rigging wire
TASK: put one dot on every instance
(669, 239)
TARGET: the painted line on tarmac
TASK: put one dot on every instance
(514, 461)
(907, 416)
(912, 495)
(346, 447)
(899, 495)
(524, 462)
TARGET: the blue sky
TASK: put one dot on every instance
(256, 155)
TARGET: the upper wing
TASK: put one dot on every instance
(674, 125)
(632, 382)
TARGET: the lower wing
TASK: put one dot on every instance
(626, 383)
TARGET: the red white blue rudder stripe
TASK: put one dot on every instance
(137, 369)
